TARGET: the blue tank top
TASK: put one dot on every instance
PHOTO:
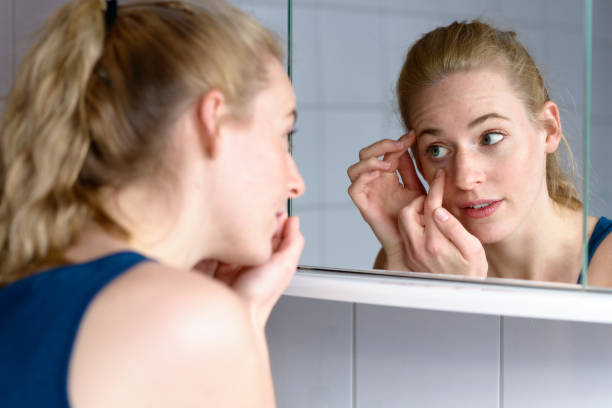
(39, 319)
(600, 232)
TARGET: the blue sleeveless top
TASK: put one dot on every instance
(600, 232)
(39, 319)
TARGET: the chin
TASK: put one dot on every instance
(257, 254)
(488, 233)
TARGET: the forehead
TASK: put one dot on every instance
(463, 96)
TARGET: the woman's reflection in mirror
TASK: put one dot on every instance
(485, 135)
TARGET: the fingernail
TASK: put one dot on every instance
(441, 214)
(373, 173)
(438, 173)
(386, 164)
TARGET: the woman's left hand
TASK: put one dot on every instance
(261, 286)
(435, 241)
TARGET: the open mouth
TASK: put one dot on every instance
(481, 208)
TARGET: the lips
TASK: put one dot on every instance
(481, 208)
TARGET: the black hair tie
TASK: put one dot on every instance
(111, 12)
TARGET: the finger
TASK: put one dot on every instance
(411, 228)
(435, 238)
(358, 189)
(207, 266)
(292, 242)
(407, 169)
(382, 147)
(276, 239)
(468, 245)
(369, 165)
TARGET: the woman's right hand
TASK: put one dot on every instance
(380, 193)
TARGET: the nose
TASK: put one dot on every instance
(296, 183)
(468, 171)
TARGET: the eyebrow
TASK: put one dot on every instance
(486, 117)
(475, 122)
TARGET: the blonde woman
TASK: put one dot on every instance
(143, 237)
(485, 135)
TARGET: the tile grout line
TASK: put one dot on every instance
(501, 362)
(354, 359)
(14, 41)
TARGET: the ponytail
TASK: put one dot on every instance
(44, 139)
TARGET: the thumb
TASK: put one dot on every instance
(455, 232)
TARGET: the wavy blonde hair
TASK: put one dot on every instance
(464, 46)
(92, 107)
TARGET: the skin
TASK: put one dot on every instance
(475, 143)
(188, 330)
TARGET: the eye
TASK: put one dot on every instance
(437, 151)
(491, 138)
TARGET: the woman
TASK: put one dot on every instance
(134, 272)
(484, 135)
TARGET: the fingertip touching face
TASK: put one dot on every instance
(263, 174)
(474, 126)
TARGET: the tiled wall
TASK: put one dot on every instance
(334, 354)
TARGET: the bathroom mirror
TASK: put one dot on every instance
(346, 57)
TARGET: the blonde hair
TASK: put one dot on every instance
(464, 46)
(92, 107)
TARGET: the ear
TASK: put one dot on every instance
(210, 113)
(550, 121)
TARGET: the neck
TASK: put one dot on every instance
(547, 246)
(160, 228)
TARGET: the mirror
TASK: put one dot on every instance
(346, 60)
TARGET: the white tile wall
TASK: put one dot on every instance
(311, 224)
(602, 10)
(556, 364)
(349, 241)
(311, 353)
(307, 68)
(601, 101)
(409, 358)
(601, 171)
(6, 47)
(565, 13)
(465, 9)
(308, 143)
(345, 133)
(351, 57)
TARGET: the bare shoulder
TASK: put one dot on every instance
(163, 337)
(600, 268)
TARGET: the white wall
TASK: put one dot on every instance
(334, 354)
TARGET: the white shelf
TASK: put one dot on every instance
(455, 294)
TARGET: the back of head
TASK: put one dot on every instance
(93, 106)
(462, 47)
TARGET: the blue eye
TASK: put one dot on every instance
(492, 138)
(437, 152)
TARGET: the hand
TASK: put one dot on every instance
(435, 241)
(261, 286)
(380, 194)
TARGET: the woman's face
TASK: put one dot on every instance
(261, 173)
(474, 127)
